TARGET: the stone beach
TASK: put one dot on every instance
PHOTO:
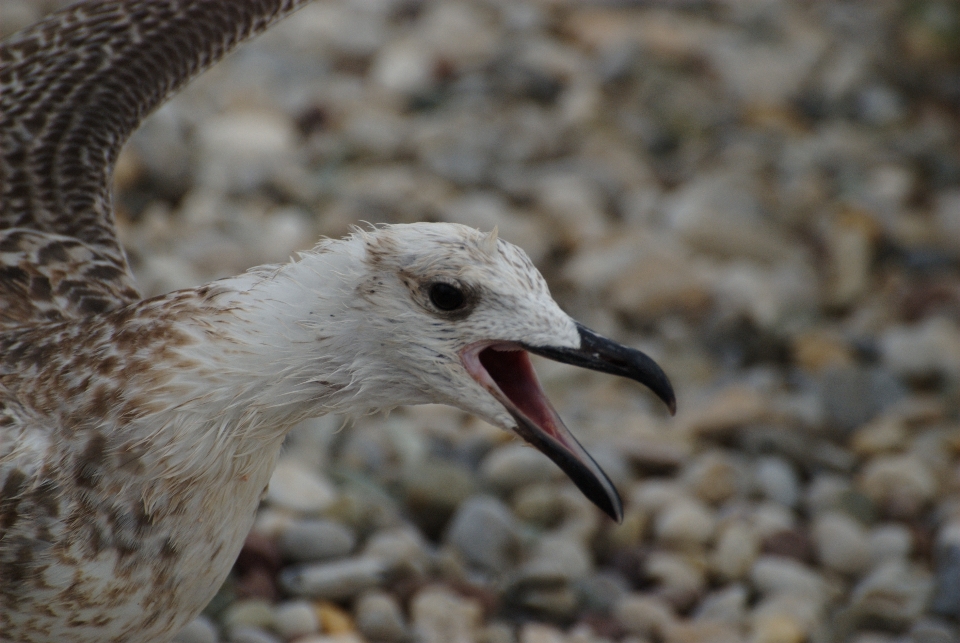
(763, 195)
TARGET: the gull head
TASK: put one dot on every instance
(443, 313)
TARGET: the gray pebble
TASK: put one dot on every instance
(896, 593)
(379, 617)
(251, 612)
(777, 480)
(890, 541)
(600, 592)
(441, 616)
(250, 634)
(842, 543)
(199, 630)
(315, 540)
(335, 580)
(295, 619)
(946, 597)
(644, 614)
(933, 630)
(515, 465)
(402, 548)
(483, 530)
(557, 559)
(774, 574)
(726, 605)
(854, 395)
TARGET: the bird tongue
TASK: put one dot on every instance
(513, 373)
(515, 384)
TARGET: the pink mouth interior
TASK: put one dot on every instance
(513, 374)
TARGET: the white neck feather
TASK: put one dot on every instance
(272, 347)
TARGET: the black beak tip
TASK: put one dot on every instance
(607, 500)
(615, 509)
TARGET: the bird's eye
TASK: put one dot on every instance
(446, 296)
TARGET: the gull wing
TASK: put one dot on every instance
(73, 88)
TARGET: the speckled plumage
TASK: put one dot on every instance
(137, 436)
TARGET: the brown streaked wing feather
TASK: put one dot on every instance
(73, 88)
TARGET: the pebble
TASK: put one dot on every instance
(885, 434)
(896, 592)
(539, 504)
(891, 540)
(777, 480)
(900, 484)
(334, 580)
(653, 496)
(601, 591)
(515, 465)
(250, 634)
(334, 619)
(726, 605)
(346, 637)
(379, 617)
(295, 619)
(737, 547)
(252, 613)
(434, 489)
(775, 574)
(241, 150)
(199, 630)
(293, 486)
(929, 348)
(854, 395)
(826, 492)
(405, 66)
(842, 543)
(933, 630)
(484, 532)
(713, 477)
(771, 518)
(946, 596)
(540, 633)
(680, 580)
(556, 559)
(401, 548)
(777, 628)
(441, 616)
(686, 522)
(644, 615)
(315, 540)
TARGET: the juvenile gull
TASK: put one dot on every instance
(138, 436)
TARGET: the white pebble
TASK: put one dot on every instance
(890, 541)
(644, 615)
(380, 617)
(841, 542)
(293, 486)
(777, 480)
(775, 574)
(295, 619)
(199, 630)
(440, 616)
(687, 521)
(738, 546)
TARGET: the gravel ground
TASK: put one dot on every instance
(764, 195)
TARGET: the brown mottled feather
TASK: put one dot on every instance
(73, 88)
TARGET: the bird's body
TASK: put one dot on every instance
(137, 437)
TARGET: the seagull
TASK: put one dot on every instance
(137, 436)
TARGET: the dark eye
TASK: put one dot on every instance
(446, 297)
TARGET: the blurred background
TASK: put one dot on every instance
(764, 195)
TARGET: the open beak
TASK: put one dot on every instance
(504, 369)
